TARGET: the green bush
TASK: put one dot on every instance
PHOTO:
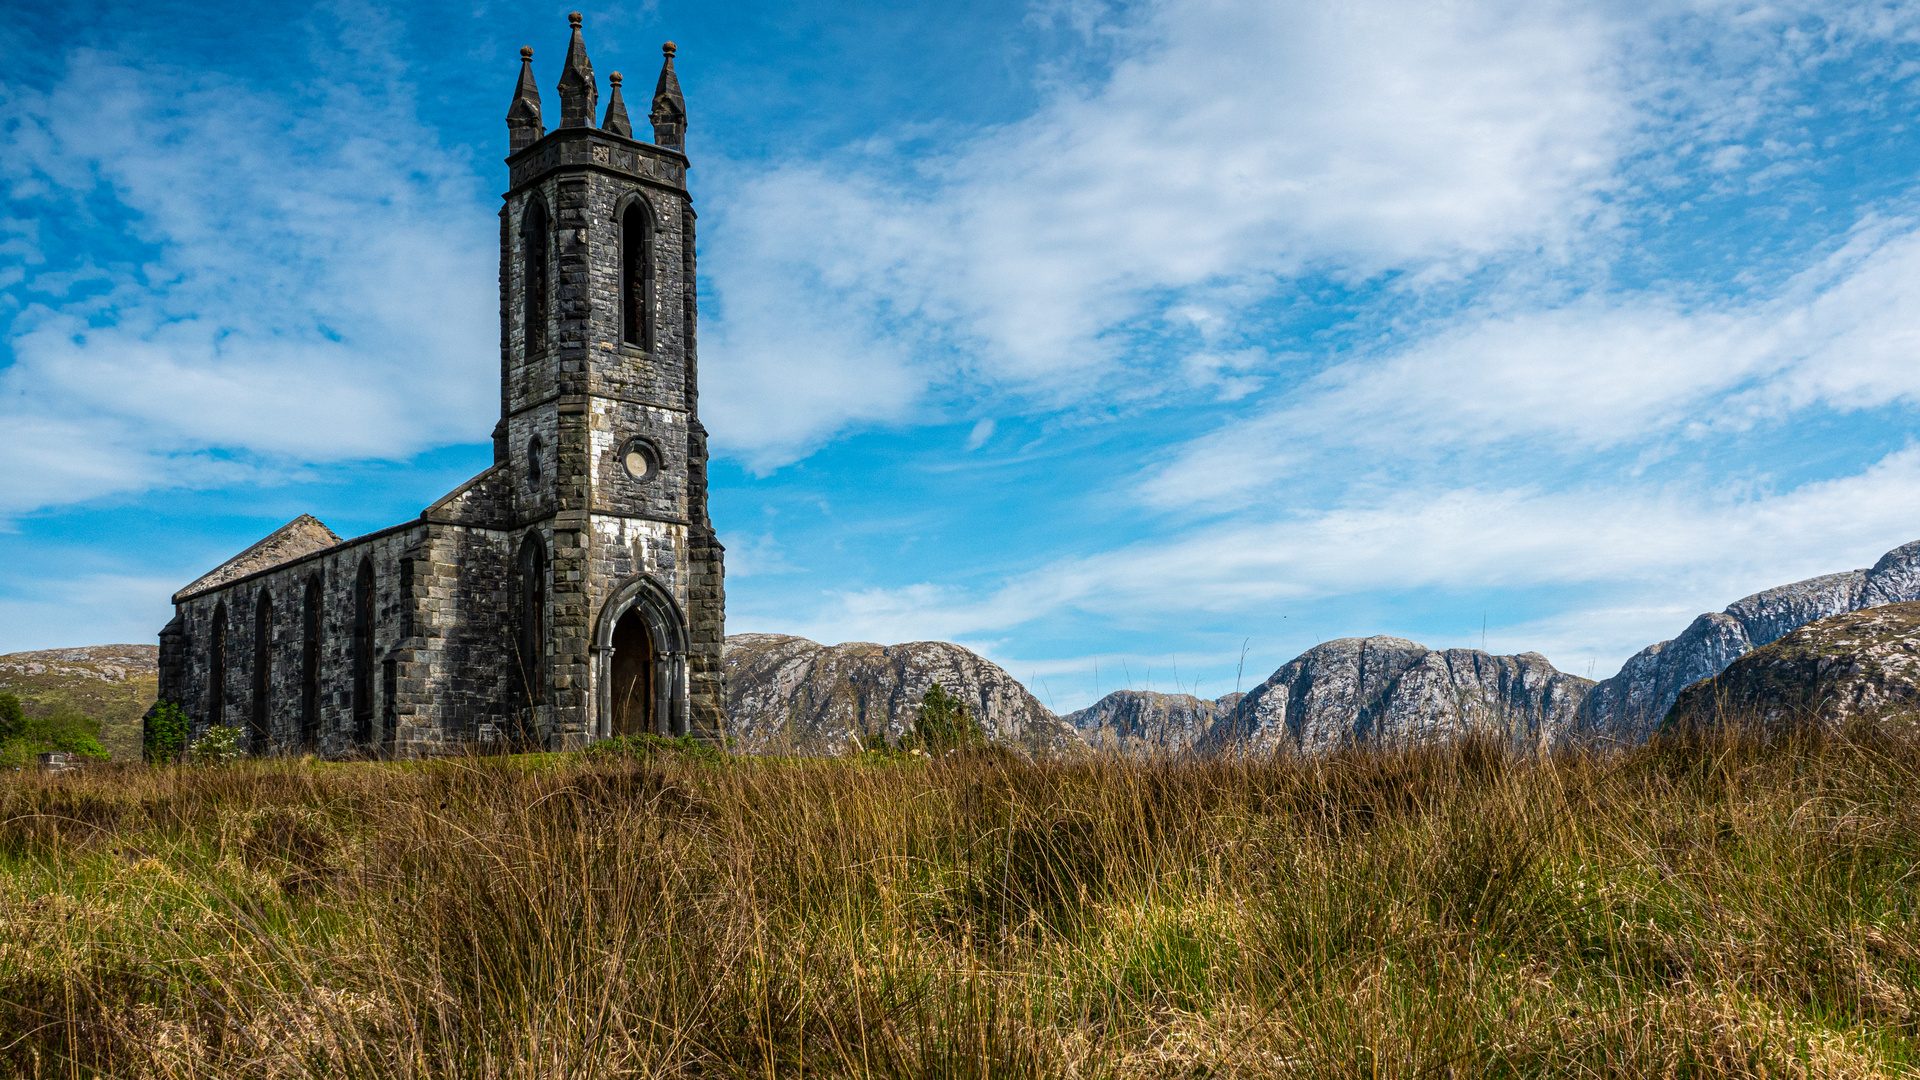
(644, 746)
(23, 736)
(164, 735)
(944, 724)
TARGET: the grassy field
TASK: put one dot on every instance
(1723, 910)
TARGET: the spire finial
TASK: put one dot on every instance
(523, 116)
(616, 122)
(579, 94)
(669, 107)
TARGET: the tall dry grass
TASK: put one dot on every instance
(1738, 908)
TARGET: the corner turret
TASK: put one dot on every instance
(523, 116)
(669, 108)
(579, 94)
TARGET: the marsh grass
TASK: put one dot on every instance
(1740, 907)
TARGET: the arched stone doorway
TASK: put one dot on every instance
(640, 662)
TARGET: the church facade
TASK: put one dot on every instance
(575, 589)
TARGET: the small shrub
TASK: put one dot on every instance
(163, 736)
(944, 724)
(219, 745)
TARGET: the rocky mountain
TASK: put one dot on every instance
(1627, 707)
(113, 684)
(1862, 663)
(788, 695)
(1142, 723)
(1388, 691)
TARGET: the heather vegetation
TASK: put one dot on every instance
(1702, 908)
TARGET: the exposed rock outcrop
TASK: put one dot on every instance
(1626, 708)
(788, 695)
(1858, 664)
(1142, 723)
(1388, 691)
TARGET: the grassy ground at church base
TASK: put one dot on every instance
(1700, 910)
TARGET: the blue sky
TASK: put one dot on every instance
(1110, 340)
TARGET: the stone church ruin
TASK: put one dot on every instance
(574, 590)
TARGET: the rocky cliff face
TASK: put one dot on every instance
(1862, 663)
(1141, 723)
(1626, 708)
(788, 695)
(1388, 691)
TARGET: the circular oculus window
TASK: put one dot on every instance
(640, 460)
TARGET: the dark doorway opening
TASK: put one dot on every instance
(310, 667)
(260, 723)
(633, 676)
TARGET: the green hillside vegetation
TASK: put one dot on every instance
(1732, 908)
(112, 684)
(24, 737)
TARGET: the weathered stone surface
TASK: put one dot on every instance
(303, 535)
(1858, 664)
(1625, 708)
(1388, 691)
(1142, 723)
(789, 695)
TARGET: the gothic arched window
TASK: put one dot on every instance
(534, 277)
(536, 460)
(259, 724)
(310, 666)
(363, 655)
(532, 646)
(217, 668)
(636, 276)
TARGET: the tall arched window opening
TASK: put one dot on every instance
(310, 667)
(260, 720)
(363, 656)
(636, 276)
(217, 668)
(533, 278)
(532, 644)
(536, 460)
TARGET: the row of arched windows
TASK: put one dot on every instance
(260, 716)
(636, 275)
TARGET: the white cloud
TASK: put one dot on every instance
(1236, 141)
(316, 284)
(1597, 374)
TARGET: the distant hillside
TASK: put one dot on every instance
(789, 695)
(1627, 707)
(1142, 723)
(1388, 691)
(113, 684)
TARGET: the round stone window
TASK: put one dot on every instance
(641, 459)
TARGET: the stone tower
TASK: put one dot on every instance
(599, 399)
(572, 591)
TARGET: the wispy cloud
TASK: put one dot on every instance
(285, 279)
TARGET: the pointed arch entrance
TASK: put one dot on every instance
(640, 662)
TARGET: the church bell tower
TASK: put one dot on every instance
(599, 404)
